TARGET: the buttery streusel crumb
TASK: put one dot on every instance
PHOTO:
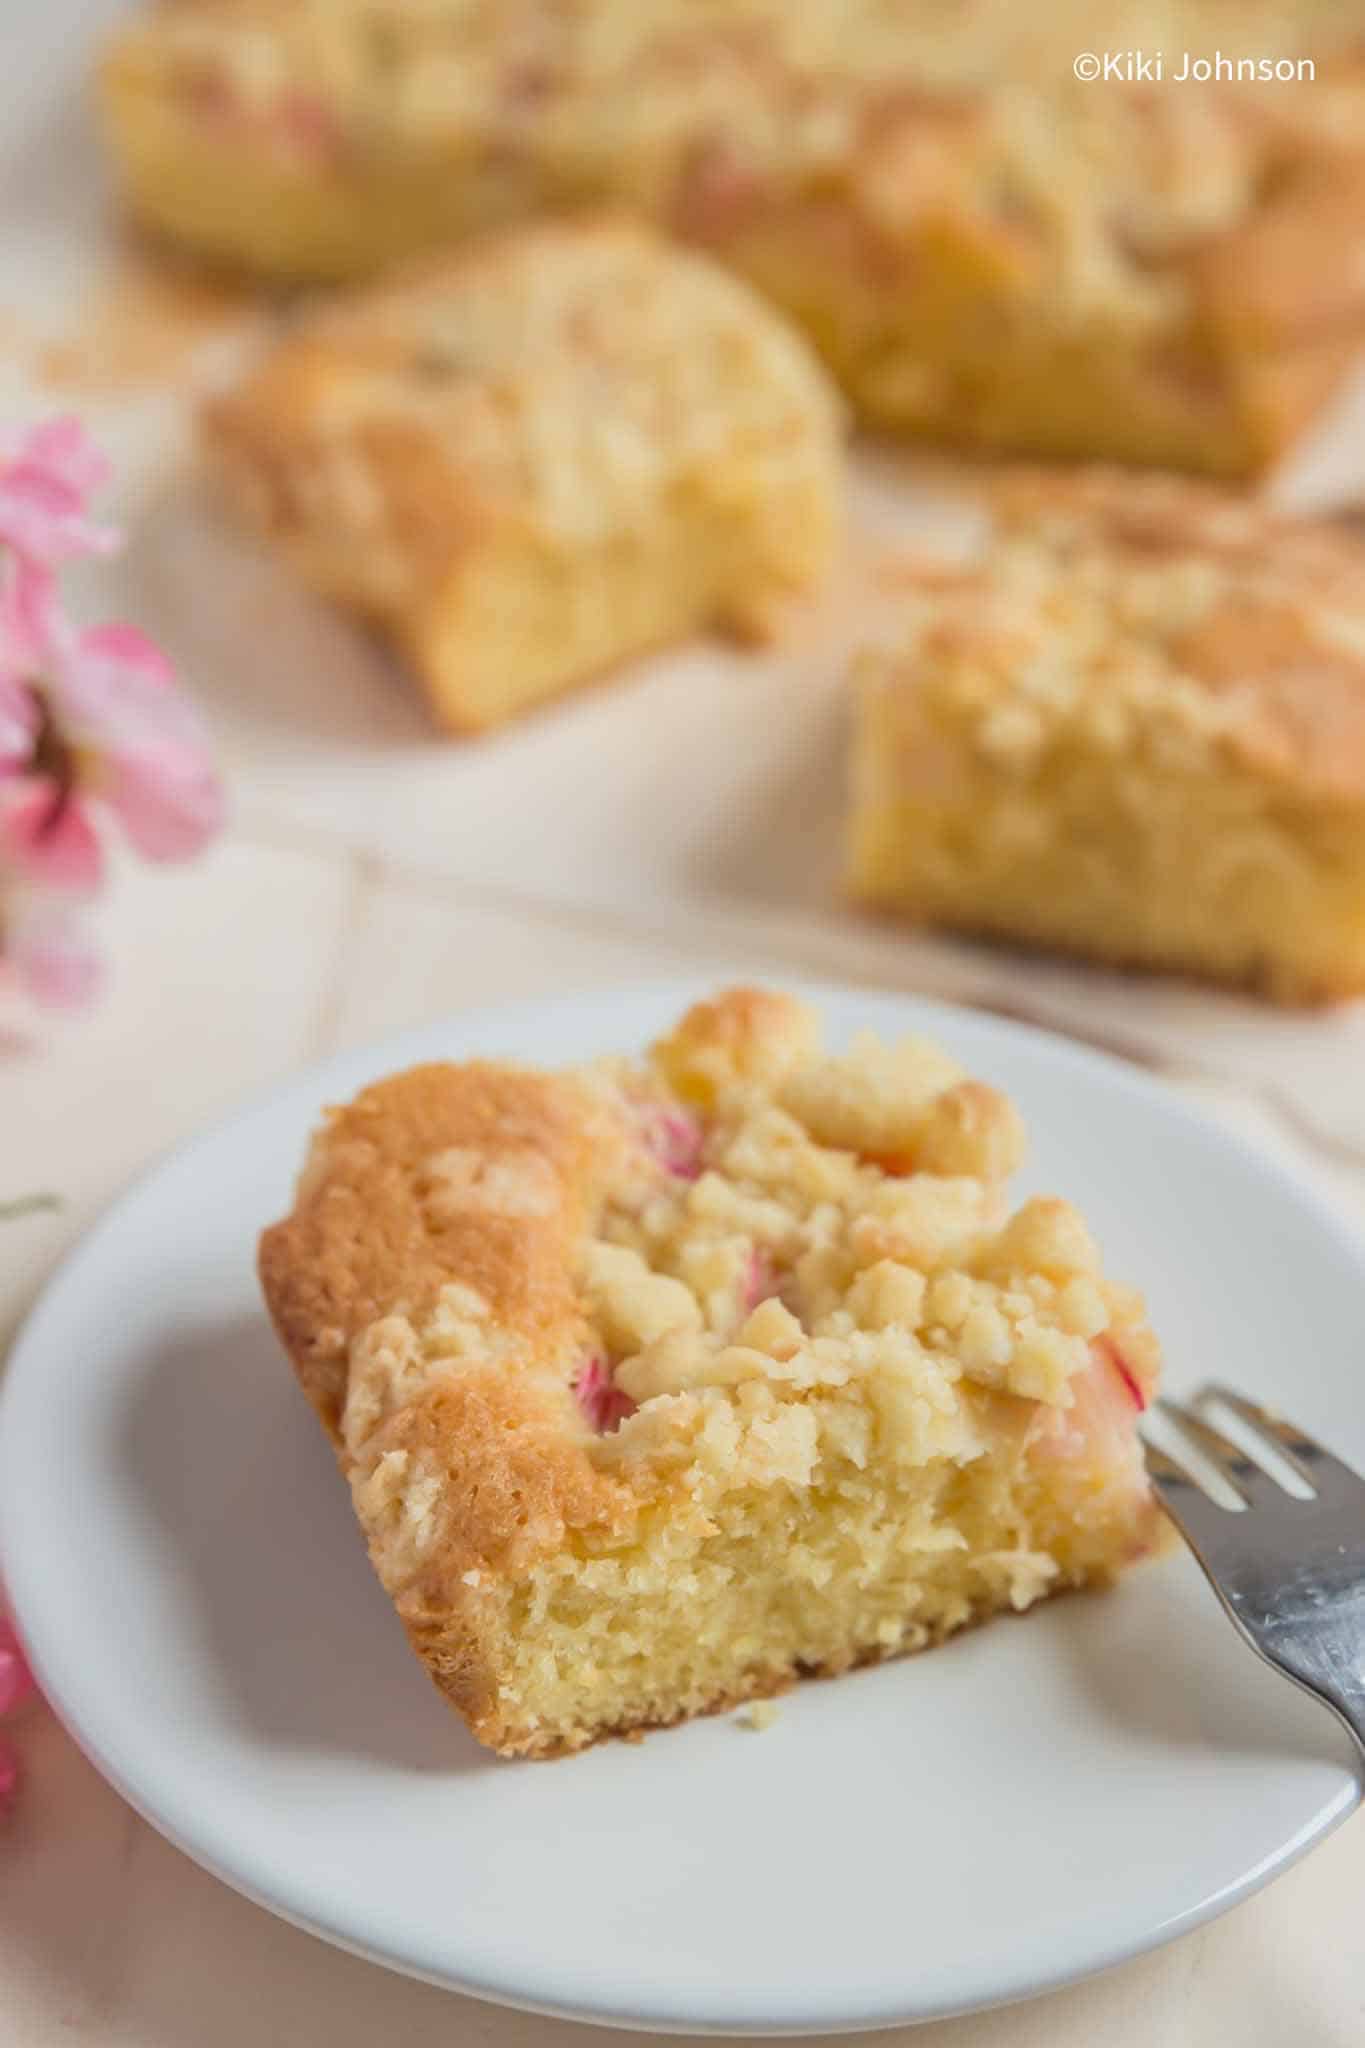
(660, 1383)
(1134, 731)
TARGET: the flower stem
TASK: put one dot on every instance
(28, 1205)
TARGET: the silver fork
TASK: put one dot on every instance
(1290, 1571)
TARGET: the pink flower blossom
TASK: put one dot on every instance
(16, 1680)
(604, 1404)
(111, 730)
(91, 726)
(44, 482)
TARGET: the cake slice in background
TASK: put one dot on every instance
(660, 1383)
(555, 450)
(1134, 731)
(989, 251)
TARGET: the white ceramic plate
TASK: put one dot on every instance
(1033, 1802)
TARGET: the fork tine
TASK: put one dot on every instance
(1200, 1519)
(1232, 1465)
(1161, 1466)
(1323, 1472)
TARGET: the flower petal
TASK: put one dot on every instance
(45, 523)
(16, 1680)
(112, 686)
(64, 449)
(144, 750)
(44, 484)
(169, 801)
(54, 960)
(128, 650)
(18, 726)
(50, 838)
(30, 632)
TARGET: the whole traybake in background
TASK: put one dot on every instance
(985, 249)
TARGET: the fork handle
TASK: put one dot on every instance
(1330, 1665)
(1323, 1653)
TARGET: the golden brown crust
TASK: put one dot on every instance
(377, 1234)
(1288, 277)
(1284, 392)
(516, 1482)
(369, 1229)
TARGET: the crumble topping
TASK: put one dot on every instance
(572, 374)
(716, 118)
(780, 1278)
(820, 1249)
(1154, 619)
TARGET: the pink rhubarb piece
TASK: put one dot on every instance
(604, 1404)
(675, 1139)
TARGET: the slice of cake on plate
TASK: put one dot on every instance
(558, 449)
(1134, 730)
(658, 1384)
